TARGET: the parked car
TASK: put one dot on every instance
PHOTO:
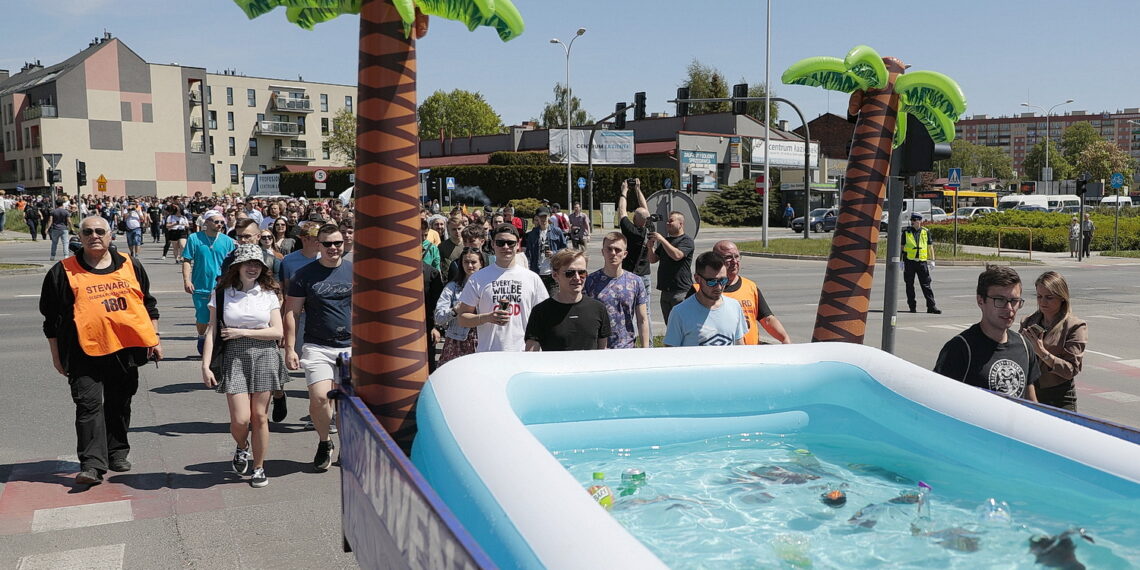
(973, 212)
(1031, 208)
(937, 215)
(1072, 209)
(821, 220)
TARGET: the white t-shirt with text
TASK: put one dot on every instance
(521, 287)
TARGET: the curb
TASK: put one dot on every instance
(24, 271)
(880, 261)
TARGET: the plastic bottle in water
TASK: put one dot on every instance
(600, 492)
(921, 523)
(994, 513)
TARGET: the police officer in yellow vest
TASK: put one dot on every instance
(101, 323)
(918, 256)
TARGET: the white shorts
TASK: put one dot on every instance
(319, 362)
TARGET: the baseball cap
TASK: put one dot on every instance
(542, 211)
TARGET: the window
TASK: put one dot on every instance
(233, 174)
(211, 149)
(253, 147)
(324, 125)
(229, 120)
(324, 102)
(213, 120)
(348, 102)
(301, 124)
(233, 147)
(325, 151)
(229, 95)
(260, 117)
(209, 96)
(262, 168)
(251, 97)
(213, 174)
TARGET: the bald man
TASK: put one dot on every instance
(743, 289)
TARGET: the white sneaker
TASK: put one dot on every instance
(259, 479)
(241, 462)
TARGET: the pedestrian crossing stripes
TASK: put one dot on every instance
(80, 516)
(108, 557)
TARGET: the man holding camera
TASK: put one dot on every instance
(498, 299)
(637, 256)
(542, 242)
(674, 251)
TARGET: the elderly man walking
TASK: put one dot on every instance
(101, 323)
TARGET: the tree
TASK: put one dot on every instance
(389, 341)
(884, 96)
(1034, 163)
(1076, 139)
(756, 108)
(459, 114)
(554, 113)
(705, 82)
(1102, 158)
(978, 160)
(341, 139)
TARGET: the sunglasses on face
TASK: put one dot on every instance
(572, 272)
(506, 242)
(94, 231)
(266, 237)
(715, 281)
(332, 243)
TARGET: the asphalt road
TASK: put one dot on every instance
(180, 508)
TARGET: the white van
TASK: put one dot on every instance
(920, 205)
(1116, 202)
(1051, 202)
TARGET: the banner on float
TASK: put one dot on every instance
(610, 147)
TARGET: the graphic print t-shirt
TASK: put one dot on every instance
(976, 359)
(621, 296)
(521, 287)
(693, 324)
(328, 303)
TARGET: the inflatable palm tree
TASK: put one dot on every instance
(881, 96)
(389, 344)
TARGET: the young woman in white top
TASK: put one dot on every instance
(251, 362)
(176, 234)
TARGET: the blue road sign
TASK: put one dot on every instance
(451, 183)
(1117, 180)
(954, 178)
(581, 183)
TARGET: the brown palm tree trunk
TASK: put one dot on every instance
(846, 294)
(389, 342)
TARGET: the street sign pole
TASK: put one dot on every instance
(53, 161)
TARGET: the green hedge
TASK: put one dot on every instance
(1050, 230)
(502, 184)
(507, 158)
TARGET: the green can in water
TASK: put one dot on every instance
(632, 479)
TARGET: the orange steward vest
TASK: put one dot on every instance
(109, 310)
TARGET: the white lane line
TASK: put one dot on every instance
(1133, 363)
(1102, 317)
(36, 295)
(912, 329)
(96, 557)
(1122, 397)
(80, 516)
(1103, 354)
(951, 327)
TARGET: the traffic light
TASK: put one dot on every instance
(682, 106)
(53, 177)
(919, 151)
(639, 106)
(739, 90)
(1082, 183)
(619, 119)
(81, 173)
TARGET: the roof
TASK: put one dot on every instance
(28, 79)
(302, 168)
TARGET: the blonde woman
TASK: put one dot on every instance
(1059, 339)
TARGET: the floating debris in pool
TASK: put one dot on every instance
(1058, 551)
(834, 498)
(868, 516)
(877, 471)
(793, 549)
(783, 476)
(956, 538)
(994, 513)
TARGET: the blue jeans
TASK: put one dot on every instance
(57, 237)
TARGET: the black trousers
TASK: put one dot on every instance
(103, 416)
(911, 269)
(1087, 239)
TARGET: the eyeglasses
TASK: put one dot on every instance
(332, 243)
(1001, 302)
(572, 272)
(715, 281)
(94, 231)
(472, 250)
(506, 242)
(266, 237)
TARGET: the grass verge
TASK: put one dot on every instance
(821, 247)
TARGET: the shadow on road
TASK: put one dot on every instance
(179, 388)
(185, 428)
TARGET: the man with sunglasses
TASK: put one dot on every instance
(498, 299)
(101, 322)
(709, 317)
(990, 354)
(745, 290)
(568, 320)
(202, 265)
(323, 289)
(246, 231)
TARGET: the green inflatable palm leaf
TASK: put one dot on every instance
(862, 68)
(499, 14)
(933, 98)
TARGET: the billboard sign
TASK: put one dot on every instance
(700, 163)
(787, 154)
(610, 147)
(267, 185)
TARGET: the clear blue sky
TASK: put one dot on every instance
(1002, 52)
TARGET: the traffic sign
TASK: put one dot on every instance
(954, 178)
(1117, 180)
(451, 183)
(761, 185)
(101, 183)
(320, 176)
(581, 183)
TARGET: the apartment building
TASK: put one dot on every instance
(1016, 135)
(149, 129)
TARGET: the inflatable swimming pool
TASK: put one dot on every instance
(488, 423)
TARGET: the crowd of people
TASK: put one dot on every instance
(271, 284)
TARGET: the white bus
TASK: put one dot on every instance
(1051, 202)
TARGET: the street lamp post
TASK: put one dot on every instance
(566, 47)
(1049, 182)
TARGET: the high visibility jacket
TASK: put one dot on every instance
(916, 248)
(109, 310)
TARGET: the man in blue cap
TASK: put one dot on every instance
(918, 258)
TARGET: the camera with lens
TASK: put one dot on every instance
(654, 218)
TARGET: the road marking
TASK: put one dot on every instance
(1103, 354)
(1102, 317)
(80, 516)
(1135, 363)
(912, 329)
(951, 327)
(36, 295)
(1122, 397)
(101, 557)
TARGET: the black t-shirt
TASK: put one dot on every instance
(562, 326)
(675, 275)
(976, 359)
(637, 258)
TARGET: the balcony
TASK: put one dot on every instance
(297, 153)
(40, 111)
(278, 129)
(195, 98)
(292, 104)
(198, 146)
(196, 123)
